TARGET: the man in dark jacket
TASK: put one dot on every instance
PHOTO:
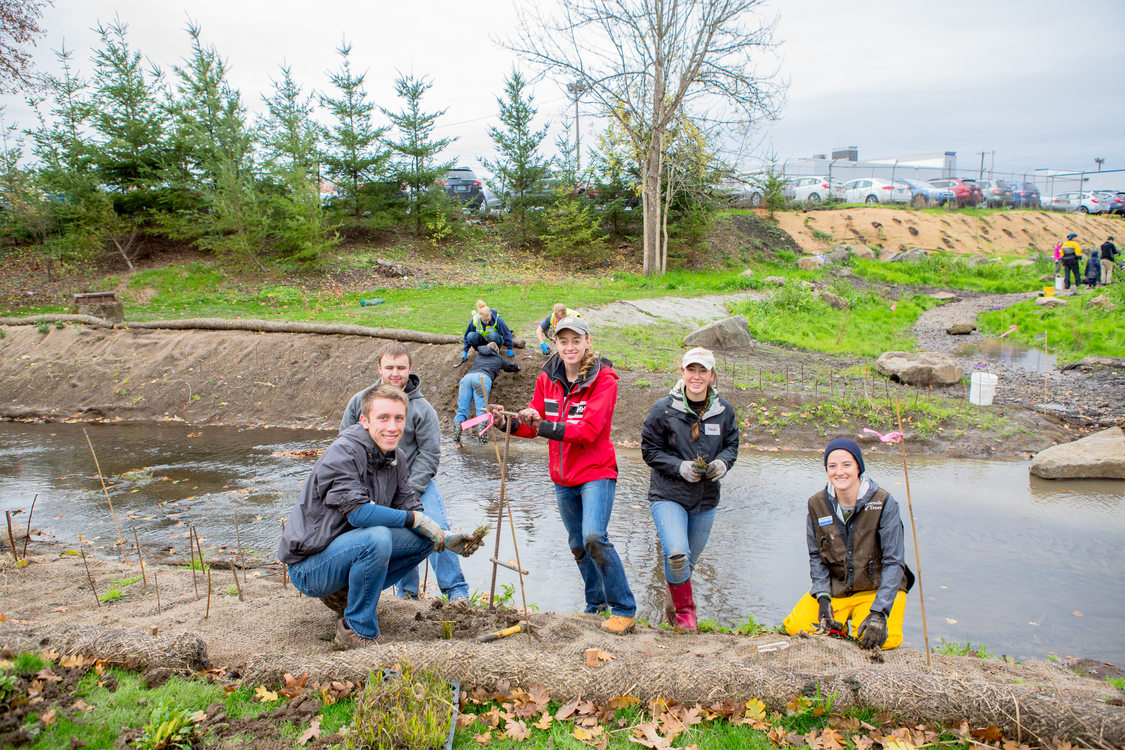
(1109, 258)
(476, 384)
(357, 524)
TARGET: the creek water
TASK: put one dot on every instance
(1028, 567)
(995, 351)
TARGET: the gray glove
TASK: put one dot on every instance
(429, 528)
(462, 544)
(690, 472)
(825, 619)
(716, 470)
(872, 631)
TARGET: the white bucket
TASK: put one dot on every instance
(1058, 282)
(982, 388)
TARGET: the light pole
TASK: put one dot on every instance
(577, 89)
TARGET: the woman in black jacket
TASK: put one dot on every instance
(690, 440)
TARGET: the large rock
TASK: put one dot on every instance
(943, 296)
(960, 329)
(863, 251)
(919, 368)
(1101, 301)
(775, 280)
(729, 333)
(978, 260)
(839, 255)
(748, 272)
(835, 301)
(913, 255)
(1099, 456)
(810, 262)
(1050, 302)
(889, 256)
(1021, 262)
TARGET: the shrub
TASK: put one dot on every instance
(407, 711)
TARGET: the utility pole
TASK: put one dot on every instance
(577, 89)
(981, 175)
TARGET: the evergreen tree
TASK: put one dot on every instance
(520, 167)
(290, 136)
(355, 154)
(416, 148)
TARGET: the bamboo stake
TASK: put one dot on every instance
(237, 585)
(511, 522)
(426, 578)
(112, 512)
(1044, 375)
(156, 583)
(284, 567)
(207, 612)
(191, 551)
(144, 577)
(28, 534)
(90, 578)
(199, 550)
(11, 538)
(913, 533)
(238, 539)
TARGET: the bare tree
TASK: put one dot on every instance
(650, 64)
(19, 27)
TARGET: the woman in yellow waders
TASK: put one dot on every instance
(856, 548)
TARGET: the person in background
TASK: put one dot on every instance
(572, 407)
(420, 449)
(486, 325)
(1109, 258)
(690, 440)
(856, 556)
(1093, 268)
(1071, 257)
(546, 329)
(476, 384)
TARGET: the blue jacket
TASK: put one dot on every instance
(495, 324)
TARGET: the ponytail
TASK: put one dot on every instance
(587, 362)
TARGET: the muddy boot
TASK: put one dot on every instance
(669, 608)
(684, 604)
(337, 602)
(619, 625)
(457, 433)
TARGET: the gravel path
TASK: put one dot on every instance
(687, 310)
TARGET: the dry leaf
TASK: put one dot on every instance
(464, 720)
(48, 718)
(586, 708)
(517, 731)
(991, 733)
(605, 655)
(544, 721)
(80, 705)
(48, 675)
(567, 710)
(311, 733)
(492, 718)
(894, 743)
(539, 696)
(484, 737)
(622, 701)
(830, 739)
(780, 738)
(645, 734)
(49, 654)
(73, 662)
(862, 742)
(265, 695)
(60, 609)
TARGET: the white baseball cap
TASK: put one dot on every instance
(699, 356)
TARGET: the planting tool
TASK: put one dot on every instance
(522, 627)
(766, 647)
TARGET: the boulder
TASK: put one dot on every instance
(1101, 302)
(1021, 262)
(1050, 302)
(748, 272)
(843, 247)
(913, 255)
(1097, 456)
(978, 260)
(775, 280)
(729, 333)
(834, 301)
(863, 251)
(1047, 277)
(839, 255)
(960, 329)
(889, 256)
(1092, 363)
(943, 296)
(810, 262)
(919, 368)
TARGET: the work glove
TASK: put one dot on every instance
(429, 528)
(465, 354)
(690, 472)
(462, 544)
(825, 619)
(872, 631)
(511, 353)
(716, 470)
(544, 348)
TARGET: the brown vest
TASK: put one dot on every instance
(862, 570)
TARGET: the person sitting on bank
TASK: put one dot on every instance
(486, 325)
(357, 525)
(856, 556)
(546, 329)
(476, 384)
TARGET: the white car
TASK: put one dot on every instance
(809, 190)
(1084, 203)
(874, 190)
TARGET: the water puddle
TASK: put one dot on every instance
(1020, 564)
(997, 351)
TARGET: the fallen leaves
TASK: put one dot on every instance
(310, 734)
(265, 695)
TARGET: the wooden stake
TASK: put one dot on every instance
(913, 533)
(237, 585)
(12, 539)
(511, 522)
(238, 539)
(90, 578)
(28, 534)
(156, 584)
(112, 512)
(1044, 377)
(207, 612)
(284, 567)
(426, 578)
(191, 551)
(144, 577)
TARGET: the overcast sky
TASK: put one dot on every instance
(1040, 82)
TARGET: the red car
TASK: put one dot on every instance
(965, 192)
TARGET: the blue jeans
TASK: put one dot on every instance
(474, 339)
(365, 560)
(447, 568)
(585, 511)
(470, 391)
(681, 533)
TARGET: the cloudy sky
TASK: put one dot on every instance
(1039, 82)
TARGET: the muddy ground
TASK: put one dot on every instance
(49, 603)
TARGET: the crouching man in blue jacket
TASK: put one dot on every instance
(357, 525)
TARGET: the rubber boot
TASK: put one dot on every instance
(457, 433)
(685, 605)
(669, 608)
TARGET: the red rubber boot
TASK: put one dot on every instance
(685, 605)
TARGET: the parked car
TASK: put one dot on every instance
(1025, 195)
(463, 186)
(874, 190)
(997, 193)
(965, 192)
(740, 192)
(808, 190)
(1084, 203)
(926, 195)
(1113, 200)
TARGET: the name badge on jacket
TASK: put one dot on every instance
(824, 520)
(711, 429)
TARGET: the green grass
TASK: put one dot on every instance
(950, 271)
(797, 317)
(652, 348)
(956, 648)
(1073, 331)
(1117, 682)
